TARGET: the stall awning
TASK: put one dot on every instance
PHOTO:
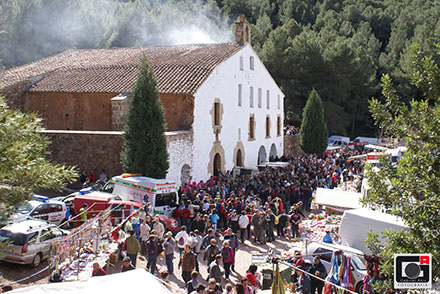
(338, 198)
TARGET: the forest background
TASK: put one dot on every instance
(340, 48)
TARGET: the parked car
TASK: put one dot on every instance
(30, 241)
(40, 207)
(326, 252)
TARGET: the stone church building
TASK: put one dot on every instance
(222, 107)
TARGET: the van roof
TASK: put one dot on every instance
(369, 215)
(142, 179)
(96, 195)
(27, 226)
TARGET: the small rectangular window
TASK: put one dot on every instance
(279, 101)
(260, 98)
(278, 126)
(251, 63)
(267, 126)
(267, 99)
(240, 93)
(251, 127)
(216, 113)
(251, 96)
(241, 63)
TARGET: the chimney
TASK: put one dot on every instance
(242, 30)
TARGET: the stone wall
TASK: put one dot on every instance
(119, 108)
(292, 145)
(96, 150)
(87, 150)
(15, 95)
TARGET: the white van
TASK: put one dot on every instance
(160, 193)
(336, 140)
(367, 140)
(356, 224)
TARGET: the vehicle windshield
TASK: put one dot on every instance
(25, 208)
(15, 238)
(358, 262)
(166, 199)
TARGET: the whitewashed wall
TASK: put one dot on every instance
(180, 151)
(223, 84)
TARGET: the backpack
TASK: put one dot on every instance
(181, 241)
(276, 220)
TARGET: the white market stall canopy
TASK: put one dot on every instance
(338, 198)
(135, 281)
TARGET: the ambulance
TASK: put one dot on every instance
(160, 194)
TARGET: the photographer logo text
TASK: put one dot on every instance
(412, 271)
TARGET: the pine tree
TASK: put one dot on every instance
(314, 134)
(24, 167)
(144, 149)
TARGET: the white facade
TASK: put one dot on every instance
(222, 86)
(226, 83)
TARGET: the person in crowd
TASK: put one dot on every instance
(126, 265)
(200, 289)
(257, 226)
(159, 228)
(83, 214)
(207, 239)
(214, 217)
(144, 234)
(295, 220)
(233, 221)
(302, 282)
(192, 285)
(228, 289)
(182, 238)
(97, 270)
(188, 263)
(169, 246)
(211, 252)
(198, 223)
(270, 219)
(239, 289)
(327, 237)
(132, 247)
(215, 270)
(152, 252)
(317, 269)
(246, 288)
(214, 287)
(251, 276)
(136, 225)
(243, 223)
(228, 257)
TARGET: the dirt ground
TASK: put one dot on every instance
(13, 272)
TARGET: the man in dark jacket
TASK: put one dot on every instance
(317, 269)
(198, 224)
(215, 271)
(152, 252)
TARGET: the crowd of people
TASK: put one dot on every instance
(290, 130)
(217, 216)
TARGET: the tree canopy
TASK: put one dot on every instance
(24, 167)
(411, 189)
(341, 48)
(144, 147)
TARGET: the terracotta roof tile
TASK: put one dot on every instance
(178, 69)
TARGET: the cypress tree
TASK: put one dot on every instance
(314, 134)
(144, 146)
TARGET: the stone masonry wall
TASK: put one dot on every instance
(292, 145)
(87, 150)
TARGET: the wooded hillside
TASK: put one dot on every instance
(340, 48)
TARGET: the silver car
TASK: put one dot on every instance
(30, 241)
